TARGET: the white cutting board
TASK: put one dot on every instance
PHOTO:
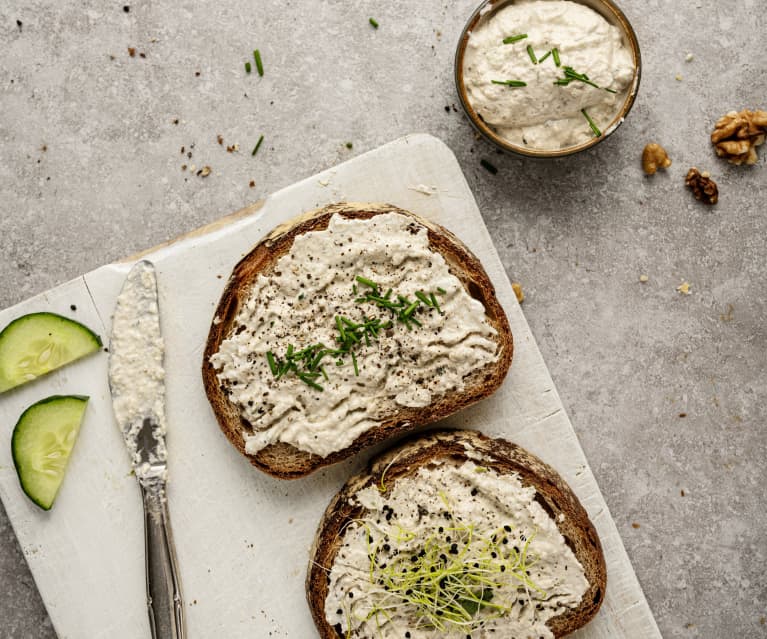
(242, 537)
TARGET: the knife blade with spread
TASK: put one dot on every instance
(137, 383)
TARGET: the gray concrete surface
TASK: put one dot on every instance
(90, 171)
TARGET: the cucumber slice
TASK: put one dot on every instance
(38, 343)
(42, 442)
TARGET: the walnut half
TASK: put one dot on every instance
(737, 134)
(654, 157)
(703, 187)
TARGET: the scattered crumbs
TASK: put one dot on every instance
(488, 166)
(106, 350)
(219, 276)
(192, 168)
(252, 184)
(349, 145)
(72, 307)
(373, 22)
(126, 8)
(111, 57)
(232, 148)
(175, 121)
(183, 167)
(678, 77)
(183, 150)
(517, 288)
(219, 139)
(681, 492)
(682, 414)
(423, 188)
(634, 524)
(44, 148)
(762, 620)
(689, 625)
(19, 24)
(196, 74)
(204, 171)
(728, 315)
(438, 34)
(684, 288)
(132, 52)
(290, 521)
(689, 57)
(447, 108)
(643, 278)
(142, 55)
(323, 182)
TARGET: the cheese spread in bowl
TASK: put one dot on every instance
(547, 78)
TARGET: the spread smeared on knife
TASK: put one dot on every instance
(321, 282)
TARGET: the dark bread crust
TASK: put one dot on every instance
(553, 494)
(288, 462)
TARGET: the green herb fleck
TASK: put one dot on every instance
(593, 126)
(555, 54)
(531, 53)
(367, 282)
(259, 64)
(373, 22)
(510, 83)
(258, 144)
(488, 166)
(545, 55)
(247, 67)
(349, 145)
(514, 38)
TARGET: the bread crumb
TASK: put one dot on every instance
(643, 278)
(634, 524)
(204, 171)
(684, 288)
(678, 77)
(323, 182)
(517, 288)
(219, 139)
(681, 492)
(689, 57)
(252, 183)
(132, 52)
(682, 414)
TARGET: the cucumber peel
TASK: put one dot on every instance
(42, 443)
(37, 343)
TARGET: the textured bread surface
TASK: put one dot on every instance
(505, 458)
(288, 462)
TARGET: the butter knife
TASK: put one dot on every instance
(137, 383)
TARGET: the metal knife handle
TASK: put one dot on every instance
(166, 609)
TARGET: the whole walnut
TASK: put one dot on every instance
(737, 134)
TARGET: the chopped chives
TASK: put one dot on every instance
(572, 74)
(514, 38)
(593, 126)
(258, 144)
(531, 53)
(545, 55)
(555, 54)
(510, 83)
(610, 90)
(434, 302)
(367, 282)
(259, 64)
(441, 290)
(272, 363)
(422, 296)
(488, 166)
(247, 67)
(356, 368)
(373, 22)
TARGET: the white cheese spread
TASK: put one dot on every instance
(295, 305)
(543, 114)
(462, 540)
(136, 372)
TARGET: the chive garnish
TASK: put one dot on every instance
(272, 363)
(258, 144)
(441, 290)
(247, 67)
(510, 83)
(555, 54)
(572, 74)
(545, 55)
(593, 126)
(259, 64)
(531, 53)
(488, 166)
(373, 22)
(434, 302)
(354, 361)
(367, 282)
(514, 38)
(421, 296)
(610, 90)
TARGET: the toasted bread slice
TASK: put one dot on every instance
(454, 447)
(286, 461)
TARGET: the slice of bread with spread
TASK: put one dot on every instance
(347, 326)
(453, 534)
